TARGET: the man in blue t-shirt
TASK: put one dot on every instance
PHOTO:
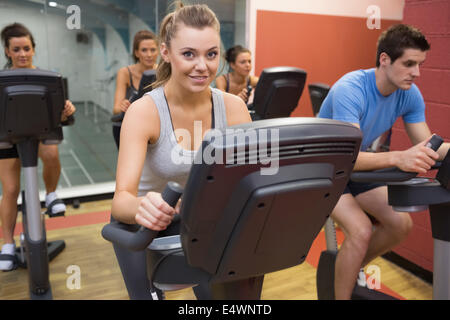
(372, 100)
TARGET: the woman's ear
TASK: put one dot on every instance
(7, 52)
(164, 51)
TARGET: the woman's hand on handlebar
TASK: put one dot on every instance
(418, 158)
(154, 213)
(69, 109)
(124, 104)
(243, 95)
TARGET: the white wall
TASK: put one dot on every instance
(106, 65)
(35, 21)
(390, 10)
(56, 46)
(136, 24)
(88, 67)
(240, 21)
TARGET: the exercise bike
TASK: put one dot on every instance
(406, 193)
(31, 104)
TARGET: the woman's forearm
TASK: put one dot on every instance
(125, 207)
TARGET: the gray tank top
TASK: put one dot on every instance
(166, 160)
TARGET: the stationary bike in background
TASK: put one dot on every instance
(31, 104)
(317, 93)
(277, 93)
(148, 77)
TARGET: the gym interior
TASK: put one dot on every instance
(87, 41)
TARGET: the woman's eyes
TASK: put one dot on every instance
(18, 49)
(152, 50)
(210, 55)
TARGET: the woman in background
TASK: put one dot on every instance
(145, 53)
(239, 81)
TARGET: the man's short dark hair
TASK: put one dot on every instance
(397, 38)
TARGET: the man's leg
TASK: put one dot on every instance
(392, 227)
(357, 228)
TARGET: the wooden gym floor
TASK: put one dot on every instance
(101, 278)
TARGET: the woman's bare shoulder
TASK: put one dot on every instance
(142, 115)
(221, 82)
(236, 109)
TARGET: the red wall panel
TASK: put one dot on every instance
(439, 55)
(432, 17)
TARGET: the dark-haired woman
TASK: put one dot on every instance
(19, 48)
(239, 80)
(145, 53)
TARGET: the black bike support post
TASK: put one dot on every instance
(421, 194)
(327, 261)
(34, 224)
(440, 228)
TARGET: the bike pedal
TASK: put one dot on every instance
(54, 215)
